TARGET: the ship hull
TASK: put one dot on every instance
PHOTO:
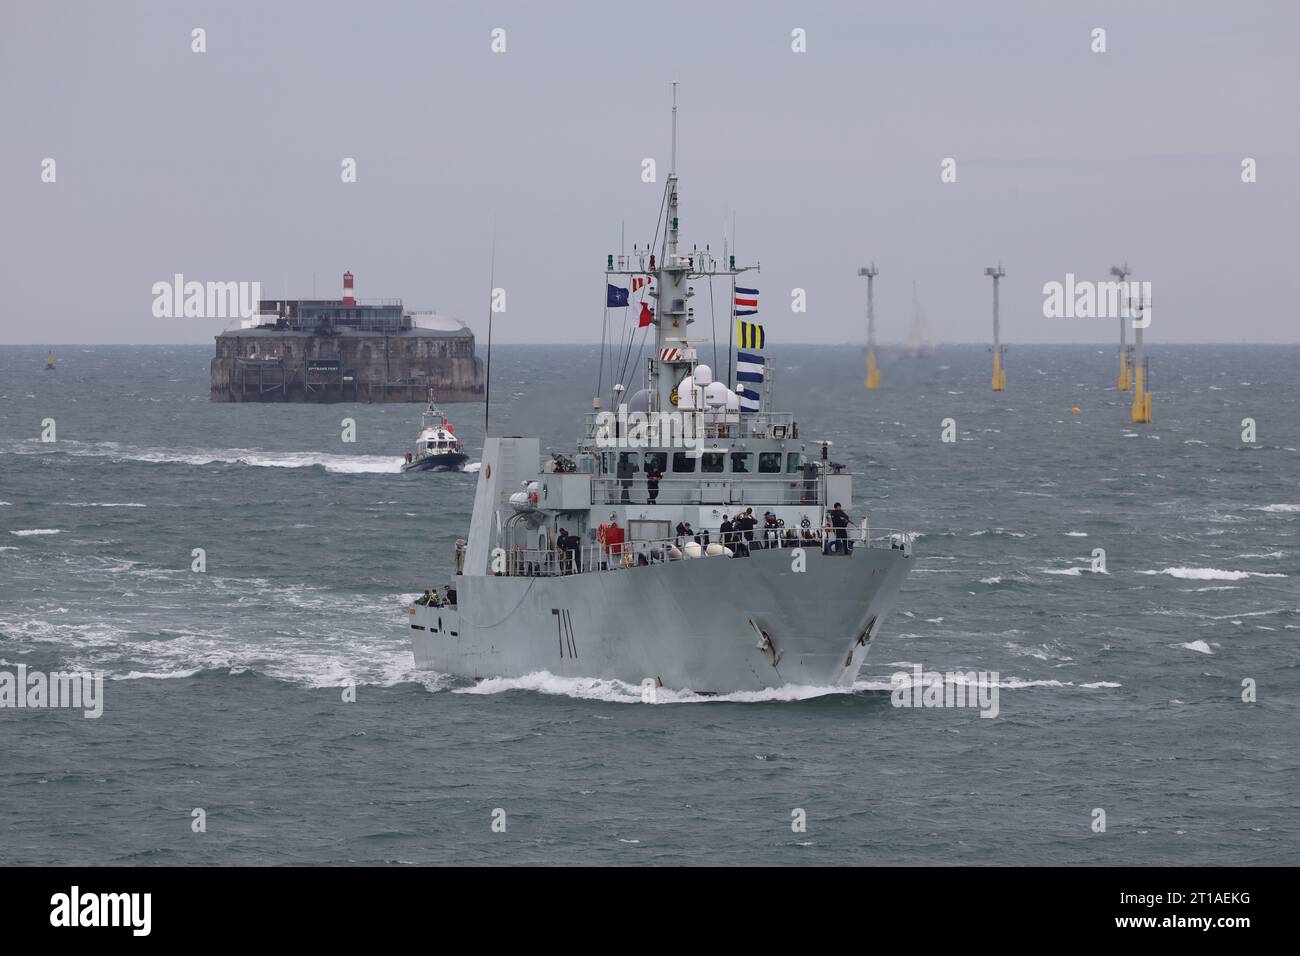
(711, 625)
(437, 463)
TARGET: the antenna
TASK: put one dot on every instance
(673, 170)
(487, 379)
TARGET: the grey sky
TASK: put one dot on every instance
(226, 165)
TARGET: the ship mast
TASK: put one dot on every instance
(672, 273)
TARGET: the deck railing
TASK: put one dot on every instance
(598, 557)
(724, 488)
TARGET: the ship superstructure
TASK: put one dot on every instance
(634, 558)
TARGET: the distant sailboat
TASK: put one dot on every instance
(49, 362)
(919, 344)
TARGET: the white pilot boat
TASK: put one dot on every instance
(437, 448)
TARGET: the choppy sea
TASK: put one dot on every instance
(1121, 689)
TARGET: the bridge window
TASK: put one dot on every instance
(627, 460)
(712, 461)
(769, 462)
(742, 462)
(792, 463)
(659, 458)
(683, 461)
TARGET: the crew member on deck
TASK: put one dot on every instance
(740, 526)
(625, 477)
(652, 482)
(771, 531)
(840, 522)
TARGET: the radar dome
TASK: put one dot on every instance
(703, 375)
(686, 392)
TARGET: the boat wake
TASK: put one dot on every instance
(336, 464)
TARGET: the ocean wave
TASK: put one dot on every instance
(1199, 646)
(1213, 574)
(29, 532)
(1276, 509)
(100, 504)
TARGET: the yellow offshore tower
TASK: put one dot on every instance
(999, 371)
(873, 373)
(1141, 396)
(1125, 383)
(1141, 411)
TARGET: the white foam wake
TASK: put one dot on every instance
(1213, 574)
(338, 464)
(620, 692)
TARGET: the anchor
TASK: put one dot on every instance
(765, 642)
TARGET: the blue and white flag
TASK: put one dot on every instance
(749, 367)
(749, 399)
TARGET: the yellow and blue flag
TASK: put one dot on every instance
(749, 335)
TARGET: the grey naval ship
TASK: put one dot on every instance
(616, 561)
